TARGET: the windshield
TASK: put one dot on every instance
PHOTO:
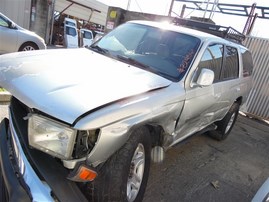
(163, 52)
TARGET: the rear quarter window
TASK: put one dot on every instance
(247, 62)
(231, 64)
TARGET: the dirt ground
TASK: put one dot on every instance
(203, 169)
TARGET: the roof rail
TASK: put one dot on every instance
(228, 33)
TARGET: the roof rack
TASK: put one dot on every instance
(228, 33)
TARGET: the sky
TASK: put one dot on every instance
(161, 7)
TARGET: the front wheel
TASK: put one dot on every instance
(124, 176)
(225, 125)
(28, 46)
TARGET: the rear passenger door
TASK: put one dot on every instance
(230, 83)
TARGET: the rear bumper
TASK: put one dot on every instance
(30, 175)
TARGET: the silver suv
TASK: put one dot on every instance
(85, 123)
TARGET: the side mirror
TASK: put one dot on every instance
(206, 77)
(12, 25)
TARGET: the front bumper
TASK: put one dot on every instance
(11, 185)
(42, 178)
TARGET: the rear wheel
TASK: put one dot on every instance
(28, 46)
(124, 176)
(225, 125)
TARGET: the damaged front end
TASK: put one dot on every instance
(37, 176)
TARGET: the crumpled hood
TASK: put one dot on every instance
(66, 83)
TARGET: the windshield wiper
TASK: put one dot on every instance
(132, 61)
(99, 49)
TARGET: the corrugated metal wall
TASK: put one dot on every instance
(17, 10)
(258, 101)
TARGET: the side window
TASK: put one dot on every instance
(231, 65)
(212, 59)
(3, 22)
(247, 63)
(71, 31)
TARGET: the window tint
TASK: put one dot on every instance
(231, 66)
(212, 59)
(247, 63)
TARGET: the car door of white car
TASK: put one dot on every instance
(8, 36)
(202, 102)
(70, 36)
(86, 36)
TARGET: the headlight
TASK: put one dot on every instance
(51, 137)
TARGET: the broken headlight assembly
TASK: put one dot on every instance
(51, 137)
(59, 140)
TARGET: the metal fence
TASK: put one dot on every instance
(258, 101)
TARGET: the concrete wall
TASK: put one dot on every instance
(39, 16)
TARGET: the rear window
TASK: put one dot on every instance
(247, 63)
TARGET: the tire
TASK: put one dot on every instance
(118, 179)
(28, 46)
(225, 125)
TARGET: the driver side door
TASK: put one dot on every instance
(202, 102)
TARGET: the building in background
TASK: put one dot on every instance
(39, 15)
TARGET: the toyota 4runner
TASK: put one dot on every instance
(84, 124)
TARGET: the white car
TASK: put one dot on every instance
(15, 38)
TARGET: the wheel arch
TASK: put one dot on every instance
(156, 132)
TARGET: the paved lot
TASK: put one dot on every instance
(202, 169)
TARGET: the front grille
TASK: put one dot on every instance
(18, 112)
